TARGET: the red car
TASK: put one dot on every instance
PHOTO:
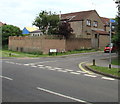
(113, 48)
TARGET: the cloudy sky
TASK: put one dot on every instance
(22, 13)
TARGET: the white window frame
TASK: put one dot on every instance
(88, 22)
(95, 24)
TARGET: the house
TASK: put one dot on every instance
(36, 33)
(88, 24)
(106, 22)
(27, 30)
(1, 24)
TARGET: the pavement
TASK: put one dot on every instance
(103, 62)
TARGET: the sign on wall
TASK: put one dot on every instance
(53, 50)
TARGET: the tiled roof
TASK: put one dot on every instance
(1, 24)
(101, 32)
(105, 20)
(30, 29)
(36, 31)
(76, 15)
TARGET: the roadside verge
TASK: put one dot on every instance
(105, 74)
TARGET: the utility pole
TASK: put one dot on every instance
(0, 37)
(110, 44)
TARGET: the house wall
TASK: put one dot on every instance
(93, 17)
(107, 28)
(80, 28)
(77, 28)
(36, 34)
(103, 40)
(25, 31)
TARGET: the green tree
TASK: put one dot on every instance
(9, 30)
(47, 22)
(116, 38)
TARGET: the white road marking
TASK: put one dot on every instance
(26, 64)
(90, 75)
(57, 68)
(40, 65)
(11, 62)
(43, 62)
(61, 95)
(34, 66)
(48, 66)
(6, 78)
(68, 70)
(61, 70)
(80, 71)
(107, 78)
(7, 61)
(18, 64)
(51, 69)
(74, 73)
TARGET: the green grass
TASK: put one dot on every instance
(112, 71)
(115, 61)
(77, 51)
(7, 53)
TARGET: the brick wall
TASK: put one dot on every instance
(36, 44)
(103, 41)
(78, 43)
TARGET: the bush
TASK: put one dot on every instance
(36, 53)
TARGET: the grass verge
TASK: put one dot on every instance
(8, 53)
(112, 71)
(115, 61)
(75, 52)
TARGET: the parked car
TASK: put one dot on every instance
(113, 48)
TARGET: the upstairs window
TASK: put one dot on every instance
(95, 24)
(88, 22)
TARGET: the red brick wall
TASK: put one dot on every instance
(78, 43)
(103, 41)
(36, 44)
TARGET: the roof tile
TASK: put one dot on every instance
(76, 15)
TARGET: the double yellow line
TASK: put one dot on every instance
(80, 66)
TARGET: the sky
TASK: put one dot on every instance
(21, 13)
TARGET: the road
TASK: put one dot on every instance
(55, 79)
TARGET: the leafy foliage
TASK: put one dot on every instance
(9, 30)
(47, 22)
(116, 38)
(65, 29)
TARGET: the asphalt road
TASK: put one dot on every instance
(55, 79)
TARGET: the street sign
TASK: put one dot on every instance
(53, 50)
(112, 21)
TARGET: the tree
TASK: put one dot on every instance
(9, 30)
(47, 22)
(116, 38)
(65, 29)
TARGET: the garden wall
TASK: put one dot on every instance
(42, 44)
